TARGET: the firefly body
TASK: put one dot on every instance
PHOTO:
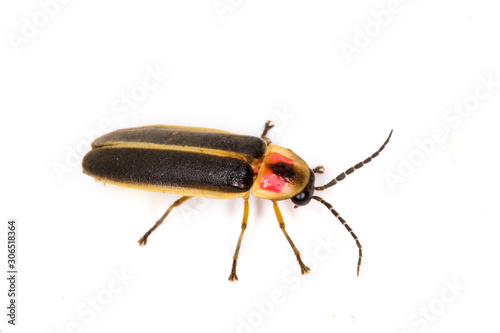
(201, 162)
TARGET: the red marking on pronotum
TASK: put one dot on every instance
(275, 158)
(272, 182)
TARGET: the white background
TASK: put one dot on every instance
(436, 226)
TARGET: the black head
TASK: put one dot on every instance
(305, 196)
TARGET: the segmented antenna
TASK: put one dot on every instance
(337, 215)
(351, 169)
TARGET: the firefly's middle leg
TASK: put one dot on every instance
(233, 277)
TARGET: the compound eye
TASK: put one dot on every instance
(304, 197)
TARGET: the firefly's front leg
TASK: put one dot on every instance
(303, 268)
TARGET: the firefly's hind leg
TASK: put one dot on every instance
(303, 268)
(233, 277)
(144, 239)
(267, 127)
